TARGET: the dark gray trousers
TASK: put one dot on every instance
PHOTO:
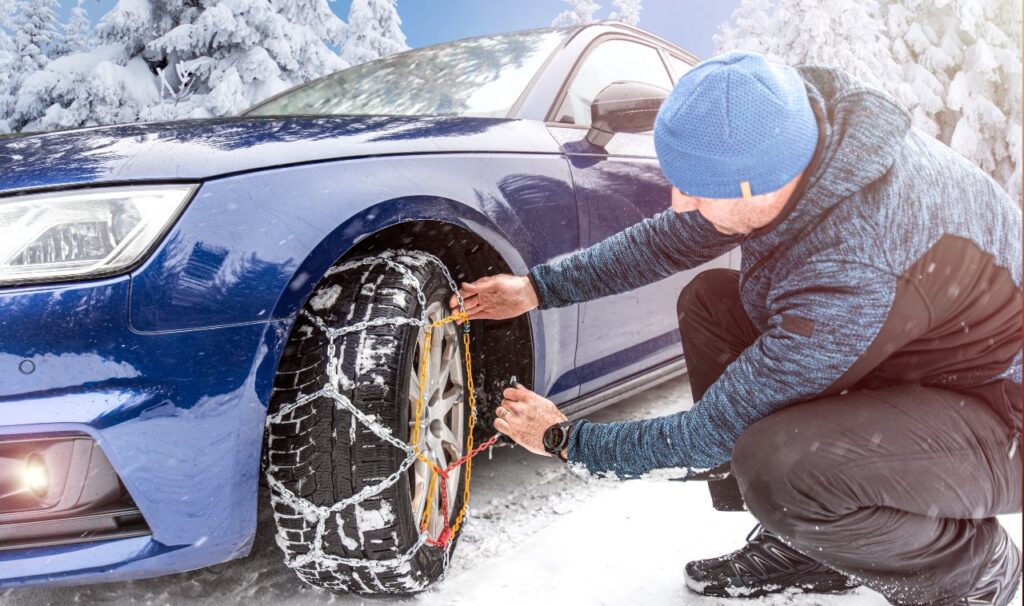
(895, 486)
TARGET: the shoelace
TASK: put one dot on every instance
(757, 534)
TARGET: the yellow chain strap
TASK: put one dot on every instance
(420, 405)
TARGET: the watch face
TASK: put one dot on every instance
(552, 438)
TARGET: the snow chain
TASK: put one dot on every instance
(320, 514)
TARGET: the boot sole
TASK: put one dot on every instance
(809, 584)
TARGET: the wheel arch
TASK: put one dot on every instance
(470, 245)
(394, 216)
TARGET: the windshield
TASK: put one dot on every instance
(476, 77)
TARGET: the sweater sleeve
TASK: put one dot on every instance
(646, 252)
(821, 322)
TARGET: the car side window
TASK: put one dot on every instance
(679, 67)
(609, 62)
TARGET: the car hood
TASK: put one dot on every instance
(201, 149)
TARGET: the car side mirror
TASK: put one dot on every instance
(623, 107)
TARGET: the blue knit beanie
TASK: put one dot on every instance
(735, 119)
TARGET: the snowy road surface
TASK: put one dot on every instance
(539, 535)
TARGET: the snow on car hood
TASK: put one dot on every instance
(201, 149)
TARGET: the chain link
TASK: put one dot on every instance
(439, 476)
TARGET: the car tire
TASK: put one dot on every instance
(319, 453)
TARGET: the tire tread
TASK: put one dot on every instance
(311, 450)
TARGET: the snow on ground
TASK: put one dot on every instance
(539, 535)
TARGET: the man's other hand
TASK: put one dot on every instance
(497, 297)
(524, 416)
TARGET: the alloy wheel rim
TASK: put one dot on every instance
(442, 426)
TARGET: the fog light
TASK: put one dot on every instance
(41, 474)
(59, 490)
(35, 476)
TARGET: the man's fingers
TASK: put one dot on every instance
(513, 412)
(515, 393)
(513, 407)
(469, 300)
(503, 426)
(482, 313)
(476, 314)
(475, 287)
(469, 303)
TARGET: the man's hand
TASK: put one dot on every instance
(497, 297)
(524, 416)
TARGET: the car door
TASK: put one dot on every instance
(617, 186)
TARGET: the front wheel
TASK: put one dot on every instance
(348, 497)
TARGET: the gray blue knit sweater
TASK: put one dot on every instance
(900, 261)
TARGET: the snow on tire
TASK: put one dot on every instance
(347, 499)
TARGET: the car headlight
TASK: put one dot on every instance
(83, 233)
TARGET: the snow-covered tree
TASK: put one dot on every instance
(86, 89)
(7, 10)
(108, 84)
(581, 13)
(35, 32)
(133, 24)
(833, 32)
(317, 16)
(241, 51)
(166, 59)
(77, 34)
(7, 64)
(963, 60)
(955, 65)
(743, 29)
(34, 27)
(374, 31)
(628, 11)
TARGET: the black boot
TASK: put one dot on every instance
(764, 565)
(1000, 581)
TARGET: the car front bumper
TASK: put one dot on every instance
(178, 414)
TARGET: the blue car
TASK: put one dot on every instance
(189, 309)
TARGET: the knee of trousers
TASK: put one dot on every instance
(780, 479)
(706, 286)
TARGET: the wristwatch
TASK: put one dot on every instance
(556, 438)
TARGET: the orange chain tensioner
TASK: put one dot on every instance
(436, 471)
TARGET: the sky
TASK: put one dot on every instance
(688, 23)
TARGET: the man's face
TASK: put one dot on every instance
(736, 215)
